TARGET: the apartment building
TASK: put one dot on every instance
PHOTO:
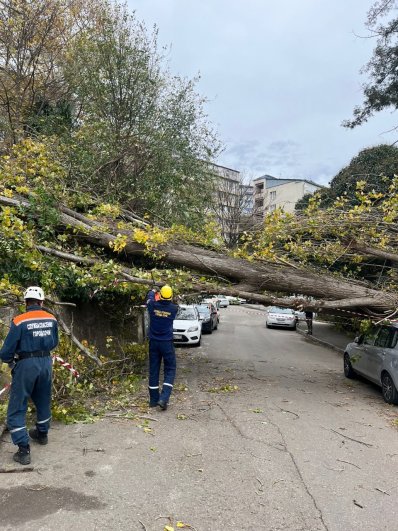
(271, 192)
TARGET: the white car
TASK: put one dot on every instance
(235, 300)
(187, 326)
(283, 317)
(224, 302)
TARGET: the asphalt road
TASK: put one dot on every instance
(263, 433)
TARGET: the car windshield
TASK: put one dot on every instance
(186, 314)
(275, 309)
(203, 310)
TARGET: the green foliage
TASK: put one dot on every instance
(3, 413)
(98, 389)
(380, 91)
(376, 166)
(142, 132)
(321, 238)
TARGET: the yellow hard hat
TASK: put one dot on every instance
(166, 293)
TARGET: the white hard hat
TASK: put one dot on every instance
(34, 292)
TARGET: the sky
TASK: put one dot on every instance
(280, 78)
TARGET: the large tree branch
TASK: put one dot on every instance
(367, 250)
(258, 276)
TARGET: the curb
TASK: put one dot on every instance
(319, 341)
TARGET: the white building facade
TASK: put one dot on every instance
(271, 192)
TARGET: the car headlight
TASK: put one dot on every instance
(192, 329)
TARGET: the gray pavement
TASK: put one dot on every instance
(263, 433)
(326, 334)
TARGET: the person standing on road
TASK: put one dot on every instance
(162, 313)
(26, 349)
(309, 315)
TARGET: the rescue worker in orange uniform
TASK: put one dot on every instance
(26, 349)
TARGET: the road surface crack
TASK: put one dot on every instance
(298, 472)
(283, 448)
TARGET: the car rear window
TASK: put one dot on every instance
(275, 309)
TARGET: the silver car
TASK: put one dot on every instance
(283, 317)
(375, 356)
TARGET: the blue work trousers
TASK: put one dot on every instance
(31, 378)
(159, 350)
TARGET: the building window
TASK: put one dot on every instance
(259, 203)
(259, 188)
(272, 195)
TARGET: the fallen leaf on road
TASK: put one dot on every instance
(168, 528)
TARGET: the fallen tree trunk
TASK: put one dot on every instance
(249, 279)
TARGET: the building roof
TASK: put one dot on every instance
(272, 182)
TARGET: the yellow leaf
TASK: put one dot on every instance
(181, 524)
(168, 528)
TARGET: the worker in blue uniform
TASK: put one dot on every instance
(26, 349)
(162, 313)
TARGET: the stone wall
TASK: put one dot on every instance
(94, 322)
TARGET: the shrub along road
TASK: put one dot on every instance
(263, 433)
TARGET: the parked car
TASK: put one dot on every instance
(235, 300)
(224, 302)
(375, 356)
(208, 316)
(283, 317)
(300, 316)
(187, 326)
(215, 303)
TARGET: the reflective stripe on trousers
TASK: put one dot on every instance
(158, 351)
(31, 378)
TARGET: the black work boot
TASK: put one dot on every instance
(23, 455)
(162, 404)
(37, 436)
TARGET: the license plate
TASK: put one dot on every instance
(177, 336)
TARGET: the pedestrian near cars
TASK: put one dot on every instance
(162, 313)
(309, 315)
(26, 349)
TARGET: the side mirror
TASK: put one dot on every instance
(359, 339)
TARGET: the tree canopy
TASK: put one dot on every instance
(380, 91)
(91, 78)
(374, 166)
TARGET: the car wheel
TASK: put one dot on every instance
(211, 330)
(388, 389)
(348, 370)
(266, 325)
(199, 342)
(216, 327)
